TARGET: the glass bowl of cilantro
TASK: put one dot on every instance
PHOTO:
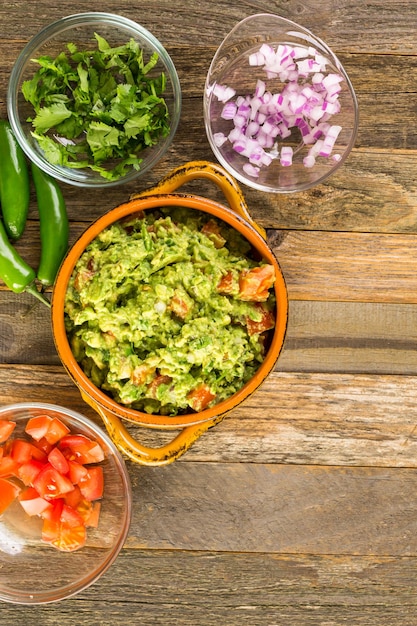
(94, 100)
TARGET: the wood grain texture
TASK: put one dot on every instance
(299, 508)
(296, 418)
(371, 27)
(205, 588)
(351, 337)
(348, 267)
(324, 266)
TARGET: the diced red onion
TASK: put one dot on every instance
(329, 141)
(252, 128)
(229, 111)
(240, 120)
(257, 58)
(260, 88)
(251, 170)
(300, 52)
(234, 134)
(286, 156)
(219, 139)
(266, 158)
(308, 99)
(223, 93)
(309, 161)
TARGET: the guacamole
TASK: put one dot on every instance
(167, 312)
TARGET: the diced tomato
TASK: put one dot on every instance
(200, 397)
(38, 453)
(21, 451)
(28, 471)
(267, 321)
(76, 472)
(37, 426)
(91, 486)
(92, 519)
(227, 284)
(179, 306)
(74, 497)
(159, 379)
(82, 449)
(32, 502)
(254, 284)
(60, 484)
(70, 537)
(8, 492)
(141, 374)
(52, 521)
(8, 466)
(46, 427)
(84, 508)
(89, 511)
(213, 232)
(71, 516)
(58, 461)
(72, 533)
(82, 278)
(56, 431)
(43, 445)
(50, 484)
(6, 429)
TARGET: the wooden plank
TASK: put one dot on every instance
(305, 418)
(25, 321)
(276, 509)
(352, 267)
(340, 24)
(347, 267)
(376, 338)
(208, 589)
(343, 419)
(321, 337)
(371, 337)
(373, 192)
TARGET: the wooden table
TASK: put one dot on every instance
(300, 508)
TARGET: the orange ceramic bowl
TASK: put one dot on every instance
(191, 425)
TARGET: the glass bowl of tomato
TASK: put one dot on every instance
(65, 503)
(94, 99)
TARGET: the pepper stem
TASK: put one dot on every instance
(31, 288)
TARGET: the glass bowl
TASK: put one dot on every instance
(280, 112)
(34, 572)
(80, 30)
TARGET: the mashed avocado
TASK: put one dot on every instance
(167, 312)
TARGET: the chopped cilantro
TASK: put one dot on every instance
(97, 108)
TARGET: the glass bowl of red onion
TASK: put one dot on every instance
(281, 114)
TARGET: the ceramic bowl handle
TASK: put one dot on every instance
(204, 169)
(144, 455)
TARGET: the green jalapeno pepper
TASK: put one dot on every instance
(14, 183)
(14, 271)
(54, 228)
